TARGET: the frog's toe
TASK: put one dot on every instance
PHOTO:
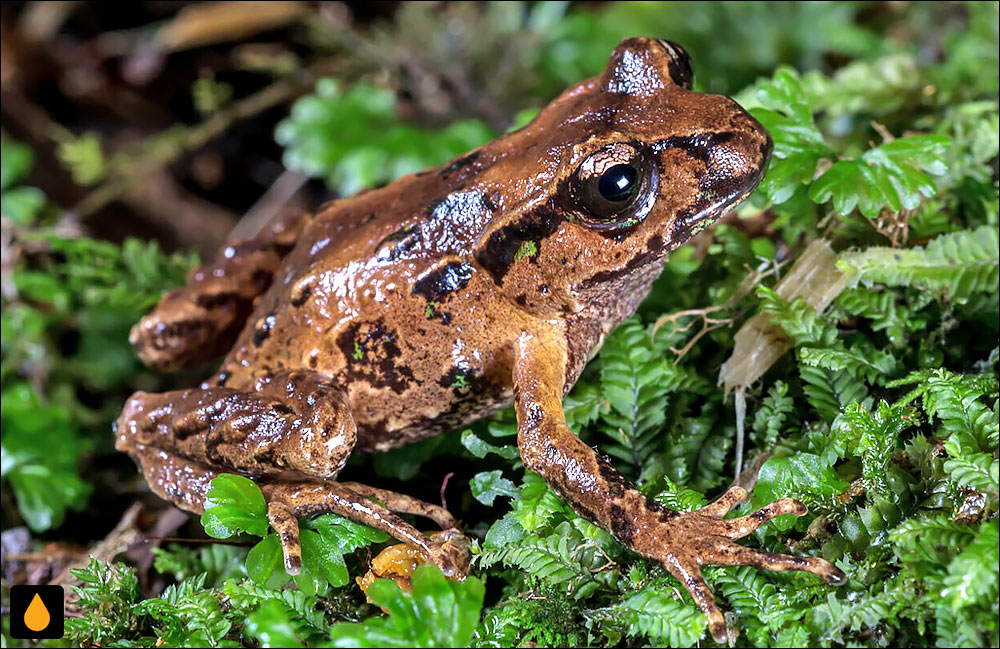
(688, 572)
(728, 500)
(452, 553)
(706, 538)
(737, 528)
(286, 524)
(724, 552)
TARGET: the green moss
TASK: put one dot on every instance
(527, 249)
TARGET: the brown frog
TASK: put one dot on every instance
(413, 309)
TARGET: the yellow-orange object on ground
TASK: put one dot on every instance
(397, 562)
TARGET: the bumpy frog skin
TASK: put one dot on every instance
(413, 309)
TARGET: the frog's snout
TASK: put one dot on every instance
(749, 146)
(728, 159)
(736, 158)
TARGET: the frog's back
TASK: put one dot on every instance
(382, 294)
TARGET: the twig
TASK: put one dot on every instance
(163, 150)
(277, 195)
(711, 324)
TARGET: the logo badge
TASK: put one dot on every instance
(36, 612)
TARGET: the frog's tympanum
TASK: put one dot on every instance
(407, 311)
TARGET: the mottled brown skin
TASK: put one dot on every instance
(412, 309)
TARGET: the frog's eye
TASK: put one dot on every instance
(613, 186)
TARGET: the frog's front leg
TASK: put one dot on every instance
(292, 434)
(201, 319)
(681, 541)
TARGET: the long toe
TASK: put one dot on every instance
(728, 553)
(689, 574)
(737, 528)
(728, 500)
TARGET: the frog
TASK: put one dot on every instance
(413, 309)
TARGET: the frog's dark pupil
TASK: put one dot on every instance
(618, 183)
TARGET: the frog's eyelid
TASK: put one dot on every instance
(680, 69)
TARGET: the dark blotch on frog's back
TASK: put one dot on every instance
(617, 483)
(396, 244)
(438, 284)
(498, 253)
(461, 379)
(263, 329)
(211, 301)
(460, 163)
(301, 296)
(371, 354)
(621, 524)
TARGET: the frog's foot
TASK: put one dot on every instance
(287, 501)
(704, 537)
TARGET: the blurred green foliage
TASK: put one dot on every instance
(67, 363)
(882, 418)
(354, 140)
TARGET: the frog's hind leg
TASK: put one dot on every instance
(183, 482)
(287, 501)
(201, 319)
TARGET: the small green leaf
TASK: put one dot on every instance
(487, 485)
(438, 613)
(925, 152)
(83, 157)
(891, 175)
(264, 563)
(504, 532)
(321, 563)
(481, 448)
(22, 204)
(346, 534)
(804, 476)
(272, 626)
(354, 138)
(16, 160)
(785, 93)
(234, 504)
(839, 182)
(784, 176)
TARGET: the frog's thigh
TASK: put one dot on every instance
(296, 424)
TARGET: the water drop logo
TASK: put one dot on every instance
(37, 616)
(36, 612)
